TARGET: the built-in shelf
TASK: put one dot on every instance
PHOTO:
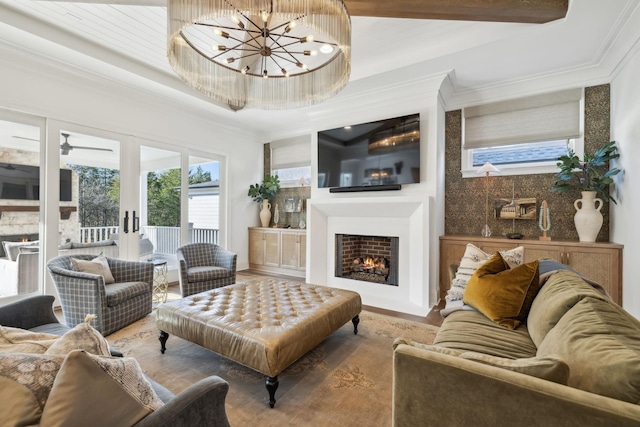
(65, 211)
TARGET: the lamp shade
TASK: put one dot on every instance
(487, 168)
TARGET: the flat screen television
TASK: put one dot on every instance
(22, 182)
(384, 153)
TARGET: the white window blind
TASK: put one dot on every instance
(291, 153)
(536, 118)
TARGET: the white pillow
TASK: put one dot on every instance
(99, 265)
(472, 259)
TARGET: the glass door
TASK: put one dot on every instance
(21, 139)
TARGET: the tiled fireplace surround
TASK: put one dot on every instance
(404, 217)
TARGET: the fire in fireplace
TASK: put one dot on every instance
(367, 258)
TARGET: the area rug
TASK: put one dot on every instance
(344, 381)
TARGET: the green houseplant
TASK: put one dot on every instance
(592, 177)
(263, 193)
(590, 174)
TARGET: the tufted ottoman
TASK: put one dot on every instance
(264, 325)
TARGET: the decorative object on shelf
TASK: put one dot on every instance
(588, 219)
(263, 193)
(261, 54)
(276, 216)
(544, 221)
(291, 205)
(510, 209)
(486, 169)
(592, 177)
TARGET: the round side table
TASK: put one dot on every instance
(160, 282)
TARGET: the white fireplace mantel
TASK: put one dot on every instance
(404, 217)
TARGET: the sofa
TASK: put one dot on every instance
(202, 404)
(573, 360)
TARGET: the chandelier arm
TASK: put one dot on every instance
(284, 58)
(225, 27)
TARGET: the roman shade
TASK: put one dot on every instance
(545, 117)
(291, 153)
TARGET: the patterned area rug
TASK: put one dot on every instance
(344, 381)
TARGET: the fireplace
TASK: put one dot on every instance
(367, 258)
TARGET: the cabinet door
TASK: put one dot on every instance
(256, 247)
(547, 250)
(272, 248)
(302, 265)
(600, 265)
(289, 250)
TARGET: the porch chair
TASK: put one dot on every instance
(115, 305)
(205, 266)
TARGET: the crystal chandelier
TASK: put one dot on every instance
(275, 54)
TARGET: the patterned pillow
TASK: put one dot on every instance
(472, 259)
(82, 337)
(16, 340)
(118, 394)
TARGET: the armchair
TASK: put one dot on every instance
(115, 305)
(205, 266)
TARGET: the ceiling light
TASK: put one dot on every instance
(265, 40)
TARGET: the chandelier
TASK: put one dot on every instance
(275, 54)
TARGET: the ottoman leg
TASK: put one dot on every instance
(355, 321)
(163, 337)
(272, 385)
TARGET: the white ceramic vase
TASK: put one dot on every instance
(588, 219)
(265, 213)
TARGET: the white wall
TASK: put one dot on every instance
(625, 129)
(31, 84)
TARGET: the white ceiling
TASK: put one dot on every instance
(132, 41)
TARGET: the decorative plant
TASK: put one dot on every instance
(590, 174)
(267, 190)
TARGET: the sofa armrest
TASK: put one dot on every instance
(225, 258)
(28, 313)
(200, 404)
(431, 388)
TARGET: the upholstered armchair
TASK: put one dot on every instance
(115, 305)
(205, 266)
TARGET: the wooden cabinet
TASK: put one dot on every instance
(278, 250)
(600, 262)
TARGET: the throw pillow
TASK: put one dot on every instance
(25, 383)
(502, 294)
(98, 265)
(81, 337)
(118, 394)
(472, 259)
(550, 367)
(12, 249)
(16, 340)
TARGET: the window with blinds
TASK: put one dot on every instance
(525, 135)
(291, 161)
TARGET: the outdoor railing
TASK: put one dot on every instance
(165, 239)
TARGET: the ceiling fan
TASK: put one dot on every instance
(11, 168)
(65, 147)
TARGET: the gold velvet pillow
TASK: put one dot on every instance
(502, 294)
(99, 391)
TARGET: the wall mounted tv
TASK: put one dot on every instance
(22, 182)
(377, 155)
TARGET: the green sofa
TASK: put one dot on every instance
(576, 362)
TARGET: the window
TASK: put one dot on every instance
(291, 161)
(522, 136)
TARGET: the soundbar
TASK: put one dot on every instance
(357, 188)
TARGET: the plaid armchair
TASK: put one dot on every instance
(115, 305)
(205, 266)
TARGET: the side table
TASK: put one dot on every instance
(160, 282)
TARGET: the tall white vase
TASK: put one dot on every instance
(588, 218)
(265, 213)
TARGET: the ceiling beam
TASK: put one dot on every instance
(530, 11)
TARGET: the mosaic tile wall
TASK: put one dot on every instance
(465, 198)
(299, 194)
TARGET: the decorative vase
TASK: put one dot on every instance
(588, 218)
(265, 213)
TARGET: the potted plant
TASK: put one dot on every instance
(263, 193)
(592, 177)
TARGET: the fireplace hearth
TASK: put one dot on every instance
(367, 258)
